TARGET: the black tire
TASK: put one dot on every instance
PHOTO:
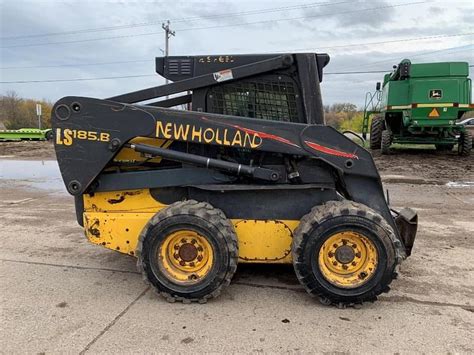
(465, 144)
(386, 141)
(49, 136)
(444, 147)
(325, 221)
(376, 128)
(211, 224)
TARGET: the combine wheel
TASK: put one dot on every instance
(188, 252)
(465, 143)
(386, 141)
(376, 128)
(344, 253)
(49, 136)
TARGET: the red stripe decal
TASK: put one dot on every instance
(330, 151)
(260, 134)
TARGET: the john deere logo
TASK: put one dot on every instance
(436, 94)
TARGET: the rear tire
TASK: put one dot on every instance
(376, 128)
(363, 236)
(188, 252)
(465, 144)
(386, 141)
(49, 136)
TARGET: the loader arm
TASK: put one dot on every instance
(90, 132)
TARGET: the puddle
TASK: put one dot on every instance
(35, 174)
(458, 184)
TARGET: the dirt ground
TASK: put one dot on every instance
(27, 150)
(61, 294)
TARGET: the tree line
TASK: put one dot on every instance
(17, 112)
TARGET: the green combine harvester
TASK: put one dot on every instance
(420, 104)
(26, 134)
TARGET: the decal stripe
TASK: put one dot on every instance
(330, 151)
(251, 131)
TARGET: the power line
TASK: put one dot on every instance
(453, 49)
(144, 24)
(285, 51)
(148, 75)
(356, 72)
(215, 26)
(391, 41)
(76, 79)
(77, 64)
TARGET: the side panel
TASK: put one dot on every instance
(260, 241)
(115, 221)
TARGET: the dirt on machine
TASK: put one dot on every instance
(421, 104)
(247, 173)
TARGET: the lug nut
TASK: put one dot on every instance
(334, 245)
(199, 257)
(176, 255)
(176, 247)
(358, 254)
(334, 262)
(344, 266)
(330, 254)
(194, 241)
(354, 263)
(354, 246)
(182, 263)
(200, 249)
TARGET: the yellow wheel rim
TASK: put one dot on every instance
(348, 259)
(185, 256)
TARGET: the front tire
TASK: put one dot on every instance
(188, 252)
(376, 128)
(344, 253)
(465, 144)
(386, 141)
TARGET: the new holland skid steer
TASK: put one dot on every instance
(248, 174)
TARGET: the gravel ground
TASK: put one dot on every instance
(60, 294)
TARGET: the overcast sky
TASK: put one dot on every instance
(45, 40)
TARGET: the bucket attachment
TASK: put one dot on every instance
(407, 224)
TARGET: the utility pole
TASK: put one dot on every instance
(38, 113)
(168, 34)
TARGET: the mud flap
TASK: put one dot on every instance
(407, 224)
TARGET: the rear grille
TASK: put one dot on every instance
(267, 99)
(179, 66)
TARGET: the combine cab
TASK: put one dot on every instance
(249, 175)
(421, 104)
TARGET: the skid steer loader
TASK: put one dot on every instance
(248, 173)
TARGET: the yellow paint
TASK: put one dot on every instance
(116, 219)
(130, 201)
(116, 231)
(436, 105)
(231, 136)
(348, 273)
(434, 113)
(129, 155)
(68, 136)
(173, 262)
(265, 241)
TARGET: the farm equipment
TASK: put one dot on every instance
(24, 134)
(420, 104)
(249, 175)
